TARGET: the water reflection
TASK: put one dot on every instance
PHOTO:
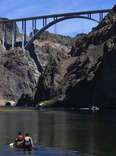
(87, 133)
(12, 122)
(66, 131)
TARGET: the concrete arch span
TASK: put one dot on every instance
(51, 24)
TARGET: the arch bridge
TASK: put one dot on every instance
(54, 18)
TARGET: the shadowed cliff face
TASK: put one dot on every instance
(87, 76)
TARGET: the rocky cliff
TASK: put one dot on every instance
(18, 73)
(20, 70)
(87, 76)
(75, 72)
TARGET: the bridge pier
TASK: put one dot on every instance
(33, 27)
(3, 34)
(23, 34)
(100, 16)
(44, 22)
(13, 34)
(55, 19)
(89, 15)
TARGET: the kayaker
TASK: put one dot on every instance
(19, 140)
(28, 141)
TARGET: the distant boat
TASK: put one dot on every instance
(95, 108)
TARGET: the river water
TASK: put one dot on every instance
(60, 133)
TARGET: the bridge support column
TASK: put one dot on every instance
(3, 34)
(13, 34)
(33, 27)
(44, 22)
(100, 16)
(89, 15)
(55, 19)
(24, 34)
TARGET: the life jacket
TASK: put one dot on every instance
(20, 138)
(27, 141)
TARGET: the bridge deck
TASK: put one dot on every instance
(56, 15)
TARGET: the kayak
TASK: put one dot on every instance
(19, 144)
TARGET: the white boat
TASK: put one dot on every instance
(95, 108)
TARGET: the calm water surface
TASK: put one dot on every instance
(60, 133)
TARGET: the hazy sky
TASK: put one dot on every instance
(27, 8)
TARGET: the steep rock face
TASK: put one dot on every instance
(49, 46)
(19, 70)
(18, 73)
(52, 50)
(109, 66)
(87, 77)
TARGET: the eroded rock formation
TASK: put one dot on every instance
(76, 72)
(20, 70)
(87, 76)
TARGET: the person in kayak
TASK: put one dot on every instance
(19, 140)
(28, 141)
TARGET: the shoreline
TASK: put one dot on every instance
(30, 109)
(15, 109)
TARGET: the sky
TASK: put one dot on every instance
(28, 8)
